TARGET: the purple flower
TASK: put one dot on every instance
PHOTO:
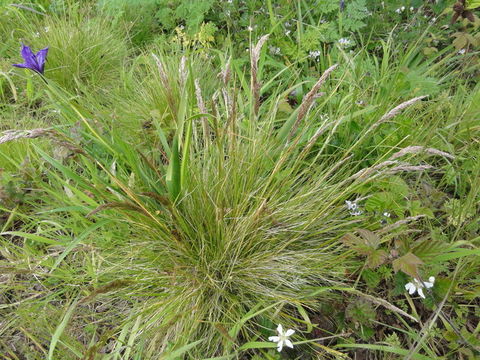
(35, 62)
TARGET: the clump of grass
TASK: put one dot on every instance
(200, 226)
(84, 51)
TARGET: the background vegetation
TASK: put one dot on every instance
(178, 183)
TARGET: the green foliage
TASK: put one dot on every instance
(355, 13)
(160, 217)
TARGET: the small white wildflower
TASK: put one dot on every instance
(352, 206)
(432, 21)
(403, 8)
(412, 8)
(282, 338)
(398, 11)
(274, 50)
(287, 32)
(47, 28)
(462, 51)
(418, 286)
(250, 28)
(314, 54)
(386, 214)
(37, 34)
(344, 42)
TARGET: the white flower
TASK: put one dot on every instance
(282, 338)
(250, 28)
(352, 206)
(386, 214)
(412, 8)
(462, 51)
(398, 11)
(287, 32)
(314, 54)
(274, 50)
(344, 42)
(418, 286)
(403, 8)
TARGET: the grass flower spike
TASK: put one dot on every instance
(417, 286)
(35, 62)
(282, 338)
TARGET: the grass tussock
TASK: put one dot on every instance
(167, 202)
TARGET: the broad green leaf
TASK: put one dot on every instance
(472, 4)
(408, 263)
(376, 258)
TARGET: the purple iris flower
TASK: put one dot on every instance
(35, 62)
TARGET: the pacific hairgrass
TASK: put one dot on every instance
(247, 223)
(206, 261)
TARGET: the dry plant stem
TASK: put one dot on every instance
(183, 72)
(10, 135)
(396, 110)
(254, 57)
(389, 115)
(385, 304)
(399, 223)
(225, 73)
(309, 99)
(203, 109)
(419, 150)
(166, 84)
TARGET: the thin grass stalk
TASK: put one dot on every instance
(203, 109)
(255, 84)
(166, 84)
(386, 117)
(11, 135)
(309, 99)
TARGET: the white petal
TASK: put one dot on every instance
(428, 285)
(289, 332)
(411, 288)
(274, 338)
(280, 329)
(280, 346)
(289, 343)
(432, 279)
(420, 292)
